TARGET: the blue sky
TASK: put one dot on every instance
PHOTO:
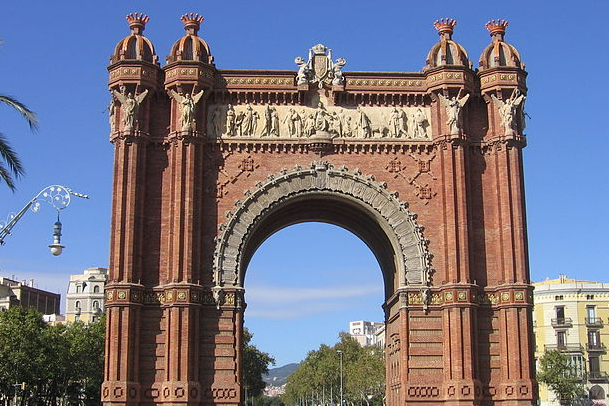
(54, 59)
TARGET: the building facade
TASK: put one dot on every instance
(425, 167)
(571, 316)
(85, 299)
(365, 332)
(24, 294)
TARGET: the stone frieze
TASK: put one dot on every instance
(257, 121)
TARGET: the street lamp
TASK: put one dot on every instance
(57, 196)
(340, 354)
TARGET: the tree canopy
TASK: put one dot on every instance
(255, 365)
(317, 380)
(557, 372)
(55, 362)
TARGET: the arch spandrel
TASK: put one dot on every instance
(321, 180)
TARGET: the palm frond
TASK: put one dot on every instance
(12, 161)
(7, 178)
(28, 114)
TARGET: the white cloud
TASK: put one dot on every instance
(278, 294)
(275, 302)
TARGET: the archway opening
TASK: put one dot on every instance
(303, 285)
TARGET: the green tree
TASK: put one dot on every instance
(557, 372)
(255, 365)
(317, 378)
(10, 164)
(57, 363)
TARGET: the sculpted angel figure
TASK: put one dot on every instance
(130, 105)
(509, 111)
(186, 105)
(309, 125)
(453, 106)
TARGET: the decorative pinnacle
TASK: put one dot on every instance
(192, 22)
(497, 28)
(445, 27)
(137, 22)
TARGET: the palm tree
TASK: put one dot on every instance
(10, 165)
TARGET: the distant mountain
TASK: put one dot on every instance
(279, 376)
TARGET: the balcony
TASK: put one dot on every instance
(562, 322)
(594, 322)
(598, 376)
(596, 347)
(564, 347)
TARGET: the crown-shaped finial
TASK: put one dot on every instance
(137, 22)
(192, 22)
(445, 26)
(497, 28)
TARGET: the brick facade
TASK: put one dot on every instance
(443, 211)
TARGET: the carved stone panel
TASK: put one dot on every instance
(256, 121)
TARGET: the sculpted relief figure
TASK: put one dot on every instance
(248, 122)
(454, 107)
(397, 122)
(292, 121)
(322, 118)
(274, 122)
(364, 129)
(420, 124)
(186, 105)
(509, 111)
(231, 119)
(130, 106)
(216, 122)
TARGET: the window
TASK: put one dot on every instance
(560, 314)
(589, 297)
(77, 288)
(591, 312)
(96, 289)
(577, 365)
(594, 339)
(561, 339)
(558, 297)
(95, 305)
(77, 305)
(595, 365)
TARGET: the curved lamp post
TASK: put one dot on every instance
(57, 196)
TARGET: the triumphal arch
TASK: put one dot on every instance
(425, 167)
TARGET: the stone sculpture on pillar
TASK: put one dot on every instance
(187, 105)
(454, 107)
(129, 106)
(510, 112)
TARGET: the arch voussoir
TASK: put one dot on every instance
(406, 235)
